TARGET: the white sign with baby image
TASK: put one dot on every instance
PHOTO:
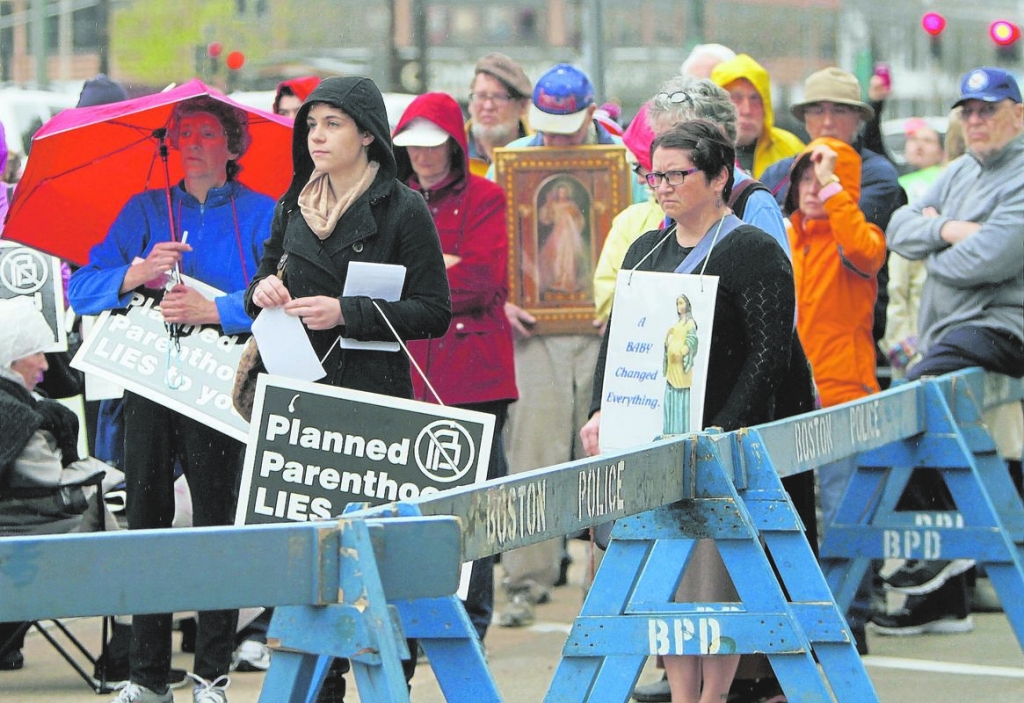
(657, 362)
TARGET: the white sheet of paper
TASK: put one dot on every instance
(285, 347)
(383, 281)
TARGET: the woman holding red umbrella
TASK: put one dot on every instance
(226, 224)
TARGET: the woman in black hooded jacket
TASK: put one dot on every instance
(345, 205)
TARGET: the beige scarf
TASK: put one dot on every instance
(322, 208)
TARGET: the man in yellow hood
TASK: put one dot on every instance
(759, 143)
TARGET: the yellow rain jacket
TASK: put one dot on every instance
(775, 143)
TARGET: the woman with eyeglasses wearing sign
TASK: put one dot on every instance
(751, 348)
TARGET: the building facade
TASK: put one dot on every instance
(154, 42)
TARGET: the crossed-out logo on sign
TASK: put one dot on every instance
(24, 271)
(445, 451)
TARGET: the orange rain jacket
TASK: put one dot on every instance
(834, 266)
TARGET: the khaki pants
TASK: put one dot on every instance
(555, 375)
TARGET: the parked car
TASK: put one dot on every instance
(23, 111)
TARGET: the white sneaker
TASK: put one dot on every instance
(210, 691)
(134, 693)
(251, 656)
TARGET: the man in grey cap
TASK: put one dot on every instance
(498, 99)
(967, 229)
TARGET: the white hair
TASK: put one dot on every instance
(718, 51)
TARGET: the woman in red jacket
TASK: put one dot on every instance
(471, 366)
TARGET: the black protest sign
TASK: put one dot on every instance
(27, 272)
(313, 449)
(132, 348)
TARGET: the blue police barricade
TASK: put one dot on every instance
(358, 587)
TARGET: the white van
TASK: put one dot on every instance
(23, 111)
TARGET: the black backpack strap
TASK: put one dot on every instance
(741, 194)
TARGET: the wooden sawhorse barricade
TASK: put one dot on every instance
(988, 525)
(358, 587)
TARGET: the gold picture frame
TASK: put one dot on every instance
(561, 202)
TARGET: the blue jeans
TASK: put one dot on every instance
(993, 350)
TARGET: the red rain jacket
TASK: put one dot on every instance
(473, 362)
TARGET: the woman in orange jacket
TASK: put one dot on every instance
(836, 254)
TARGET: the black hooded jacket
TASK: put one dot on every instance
(389, 223)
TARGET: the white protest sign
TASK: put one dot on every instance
(657, 363)
(314, 448)
(131, 347)
(27, 272)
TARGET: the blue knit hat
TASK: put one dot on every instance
(101, 90)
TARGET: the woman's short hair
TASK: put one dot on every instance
(707, 147)
(234, 121)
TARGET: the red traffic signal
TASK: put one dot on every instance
(933, 23)
(236, 59)
(1004, 33)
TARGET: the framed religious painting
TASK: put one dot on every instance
(561, 202)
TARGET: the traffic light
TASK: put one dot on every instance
(934, 24)
(1007, 37)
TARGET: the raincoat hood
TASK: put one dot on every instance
(360, 99)
(774, 143)
(743, 66)
(638, 138)
(847, 168)
(26, 330)
(300, 87)
(443, 111)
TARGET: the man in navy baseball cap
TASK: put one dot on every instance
(991, 110)
(563, 101)
(990, 85)
(967, 227)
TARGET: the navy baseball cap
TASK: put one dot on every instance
(989, 85)
(560, 100)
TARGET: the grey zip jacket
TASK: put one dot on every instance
(979, 281)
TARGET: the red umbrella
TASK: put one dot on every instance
(86, 163)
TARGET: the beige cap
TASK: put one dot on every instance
(832, 85)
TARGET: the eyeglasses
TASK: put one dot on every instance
(673, 178)
(639, 170)
(675, 98)
(837, 110)
(496, 98)
(983, 111)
